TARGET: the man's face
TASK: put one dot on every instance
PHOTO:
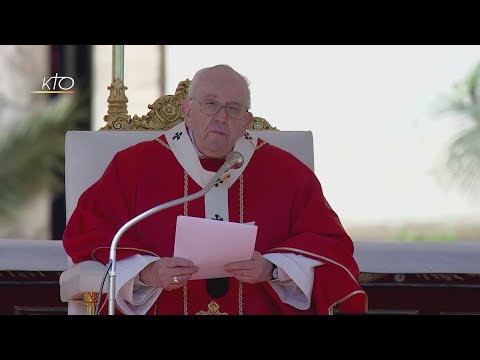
(216, 135)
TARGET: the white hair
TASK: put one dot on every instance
(194, 82)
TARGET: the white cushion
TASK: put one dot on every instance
(86, 276)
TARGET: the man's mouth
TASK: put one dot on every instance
(218, 132)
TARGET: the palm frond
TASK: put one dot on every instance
(32, 154)
(463, 161)
(465, 97)
(473, 85)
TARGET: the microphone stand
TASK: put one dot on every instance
(234, 160)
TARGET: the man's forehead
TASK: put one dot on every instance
(220, 76)
(222, 86)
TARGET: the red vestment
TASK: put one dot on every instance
(282, 196)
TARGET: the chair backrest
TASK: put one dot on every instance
(87, 154)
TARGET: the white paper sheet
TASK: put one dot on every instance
(211, 244)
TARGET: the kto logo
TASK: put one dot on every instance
(59, 85)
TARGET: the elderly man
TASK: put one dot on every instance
(303, 259)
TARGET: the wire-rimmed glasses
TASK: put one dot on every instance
(212, 107)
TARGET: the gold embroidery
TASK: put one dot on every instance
(163, 143)
(240, 199)
(185, 302)
(185, 192)
(185, 212)
(240, 284)
(262, 144)
(213, 309)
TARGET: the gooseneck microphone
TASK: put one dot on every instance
(234, 160)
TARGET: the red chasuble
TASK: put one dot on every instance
(276, 190)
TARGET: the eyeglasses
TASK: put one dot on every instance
(212, 107)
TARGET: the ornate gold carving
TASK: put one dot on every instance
(90, 302)
(164, 113)
(369, 277)
(259, 123)
(448, 277)
(26, 274)
(117, 106)
(213, 309)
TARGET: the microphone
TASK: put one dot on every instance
(234, 160)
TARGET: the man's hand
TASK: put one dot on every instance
(161, 273)
(252, 271)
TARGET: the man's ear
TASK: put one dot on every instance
(186, 112)
(248, 119)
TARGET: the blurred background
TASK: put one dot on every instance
(396, 127)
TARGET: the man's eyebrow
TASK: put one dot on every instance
(211, 95)
(216, 97)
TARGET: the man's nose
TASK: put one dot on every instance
(222, 114)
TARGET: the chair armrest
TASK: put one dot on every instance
(85, 276)
(82, 282)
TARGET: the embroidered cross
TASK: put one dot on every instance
(213, 309)
(247, 136)
(217, 217)
(177, 135)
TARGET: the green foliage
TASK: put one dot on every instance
(417, 235)
(32, 154)
(463, 163)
